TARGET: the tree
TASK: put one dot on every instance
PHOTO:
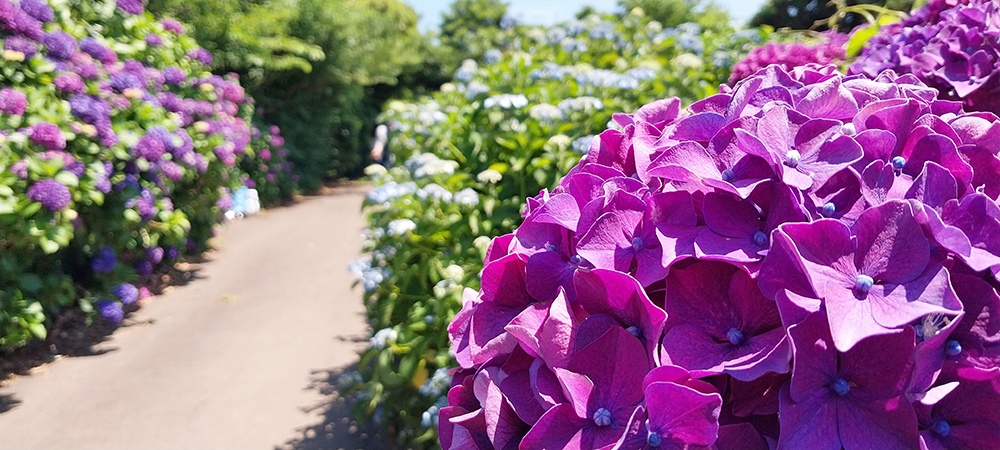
(804, 14)
(471, 27)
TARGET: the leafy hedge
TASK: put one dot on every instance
(120, 151)
(505, 128)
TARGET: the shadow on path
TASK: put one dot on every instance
(337, 429)
(8, 402)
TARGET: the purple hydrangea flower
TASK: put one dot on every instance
(20, 44)
(39, 9)
(144, 268)
(61, 45)
(951, 45)
(172, 253)
(154, 254)
(127, 80)
(149, 147)
(20, 169)
(101, 53)
(848, 399)
(172, 25)
(12, 101)
(126, 293)
(47, 134)
(784, 239)
(131, 6)
(154, 40)
(18, 22)
(69, 82)
(174, 76)
(112, 311)
(104, 261)
(201, 55)
(50, 193)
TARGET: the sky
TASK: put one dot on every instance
(549, 12)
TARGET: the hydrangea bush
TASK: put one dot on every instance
(467, 159)
(805, 252)
(950, 45)
(117, 146)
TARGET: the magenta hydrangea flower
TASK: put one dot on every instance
(50, 193)
(804, 241)
(852, 400)
(950, 45)
(832, 50)
(154, 40)
(69, 82)
(12, 101)
(47, 134)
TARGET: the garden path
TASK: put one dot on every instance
(241, 358)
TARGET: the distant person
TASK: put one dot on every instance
(380, 145)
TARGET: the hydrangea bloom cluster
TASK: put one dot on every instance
(804, 252)
(950, 45)
(832, 50)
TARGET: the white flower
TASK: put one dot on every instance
(444, 287)
(581, 104)
(489, 176)
(506, 101)
(375, 169)
(687, 61)
(492, 56)
(482, 243)
(582, 145)
(383, 337)
(544, 112)
(466, 71)
(560, 140)
(401, 226)
(475, 89)
(466, 196)
(435, 191)
(454, 272)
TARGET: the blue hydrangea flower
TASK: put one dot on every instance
(112, 311)
(104, 261)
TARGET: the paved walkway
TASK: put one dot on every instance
(240, 358)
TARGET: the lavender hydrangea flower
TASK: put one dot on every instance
(104, 261)
(173, 76)
(20, 169)
(50, 193)
(126, 293)
(12, 101)
(61, 45)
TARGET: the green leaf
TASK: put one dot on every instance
(860, 38)
(31, 283)
(38, 329)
